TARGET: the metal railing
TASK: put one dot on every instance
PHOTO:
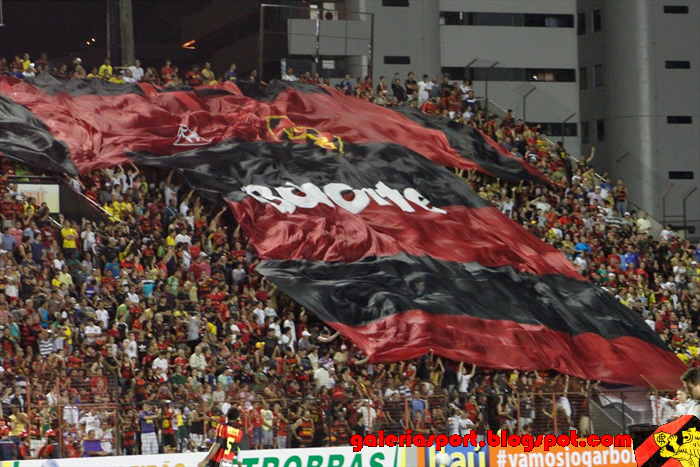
(275, 36)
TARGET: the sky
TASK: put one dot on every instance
(62, 28)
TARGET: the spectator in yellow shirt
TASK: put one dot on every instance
(106, 70)
(18, 423)
(170, 239)
(25, 62)
(70, 235)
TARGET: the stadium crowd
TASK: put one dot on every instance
(136, 333)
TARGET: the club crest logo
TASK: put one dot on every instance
(675, 444)
(187, 137)
(281, 128)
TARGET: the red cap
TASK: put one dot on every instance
(4, 431)
(23, 434)
(50, 433)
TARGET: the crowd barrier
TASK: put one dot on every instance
(373, 457)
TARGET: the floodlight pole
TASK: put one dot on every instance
(488, 75)
(126, 23)
(109, 31)
(318, 41)
(261, 38)
(2, 22)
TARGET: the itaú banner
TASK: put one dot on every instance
(320, 457)
(43, 193)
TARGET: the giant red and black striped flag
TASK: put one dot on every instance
(376, 239)
(99, 122)
(402, 256)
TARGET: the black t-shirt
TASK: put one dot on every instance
(110, 253)
(359, 429)
(270, 345)
(110, 361)
(142, 347)
(413, 83)
(398, 92)
(446, 89)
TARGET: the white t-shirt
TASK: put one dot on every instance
(288, 323)
(234, 329)
(92, 422)
(160, 364)
(259, 316)
(92, 330)
(453, 425)
(321, 377)
(287, 342)
(180, 238)
(131, 349)
(103, 317)
(564, 403)
(71, 414)
(643, 225)
(424, 90)
(369, 416)
(136, 72)
(186, 259)
(691, 407)
(465, 426)
(88, 240)
(171, 193)
(463, 382)
(267, 417)
(184, 208)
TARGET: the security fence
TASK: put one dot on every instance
(94, 414)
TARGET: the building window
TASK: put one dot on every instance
(676, 9)
(395, 3)
(598, 72)
(557, 129)
(549, 75)
(677, 65)
(581, 23)
(528, 20)
(397, 60)
(547, 21)
(681, 175)
(585, 135)
(679, 119)
(600, 130)
(583, 78)
(597, 21)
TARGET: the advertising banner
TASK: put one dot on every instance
(558, 456)
(43, 193)
(462, 456)
(321, 457)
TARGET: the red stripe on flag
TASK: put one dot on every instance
(359, 121)
(503, 344)
(463, 235)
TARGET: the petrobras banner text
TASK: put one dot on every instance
(321, 457)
